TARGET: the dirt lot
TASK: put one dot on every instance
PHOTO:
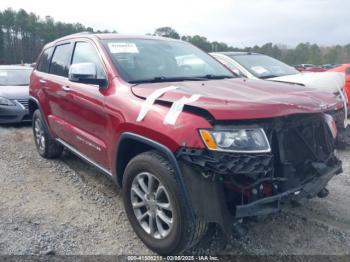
(66, 207)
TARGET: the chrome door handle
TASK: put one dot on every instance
(42, 81)
(66, 88)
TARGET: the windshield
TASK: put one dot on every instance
(14, 77)
(150, 60)
(263, 66)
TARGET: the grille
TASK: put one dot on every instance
(305, 139)
(24, 102)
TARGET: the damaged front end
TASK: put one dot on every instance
(228, 186)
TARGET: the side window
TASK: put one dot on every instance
(44, 61)
(86, 53)
(61, 60)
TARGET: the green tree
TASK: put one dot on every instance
(22, 34)
(167, 32)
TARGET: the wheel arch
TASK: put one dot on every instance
(141, 144)
(35, 105)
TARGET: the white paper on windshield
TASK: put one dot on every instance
(116, 48)
(146, 106)
(177, 107)
(259, 70)
(3, 73)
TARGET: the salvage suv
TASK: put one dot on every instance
(189, 142)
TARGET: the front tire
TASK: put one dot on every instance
(151, 195)
(45, 144)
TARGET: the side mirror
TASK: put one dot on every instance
(85, 73)
(33, 65)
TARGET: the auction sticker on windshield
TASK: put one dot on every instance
(116, 48)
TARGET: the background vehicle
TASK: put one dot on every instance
(310, 68)
(189, 145)
(345, 68)
(14, 94)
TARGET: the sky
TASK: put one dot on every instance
(239, 23)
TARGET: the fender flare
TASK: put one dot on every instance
(36, 101)
(168, 154)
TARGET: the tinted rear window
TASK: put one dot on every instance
(61, 60)
(14, 77)
(44, 62)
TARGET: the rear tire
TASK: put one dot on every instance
(182, 234)
(45, 144)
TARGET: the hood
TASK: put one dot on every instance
(323, 81)
(14, 92)
(240, 98)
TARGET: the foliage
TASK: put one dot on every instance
(22, 35)
(304, 53)
(167, 32)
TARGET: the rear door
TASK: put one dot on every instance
(85, 117)
(54, 86)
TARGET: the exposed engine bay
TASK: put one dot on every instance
(299, 166)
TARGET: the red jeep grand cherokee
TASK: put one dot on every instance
(188, 141)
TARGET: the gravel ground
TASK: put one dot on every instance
(65, 207)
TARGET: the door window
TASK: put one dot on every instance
(61, 60)
(86, 53)
(44, 62)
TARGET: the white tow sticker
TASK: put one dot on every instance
(177, 107)
(146, 106)
(3, 73)
(116, 48)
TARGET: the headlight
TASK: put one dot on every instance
(6, 102)
(245, 140)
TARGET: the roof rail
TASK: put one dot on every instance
(79, 33)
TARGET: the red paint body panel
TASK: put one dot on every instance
(91, 119)
(246, 99)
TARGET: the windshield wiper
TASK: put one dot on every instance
(268, 76)
(216, 76)
(160, 79)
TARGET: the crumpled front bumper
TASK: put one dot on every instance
(298, 194)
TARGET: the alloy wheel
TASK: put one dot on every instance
(39, 134)
(152, 206)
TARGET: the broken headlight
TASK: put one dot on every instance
(240, 140)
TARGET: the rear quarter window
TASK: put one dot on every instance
(44, 61)
(61, 60)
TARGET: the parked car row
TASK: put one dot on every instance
(189, 141)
